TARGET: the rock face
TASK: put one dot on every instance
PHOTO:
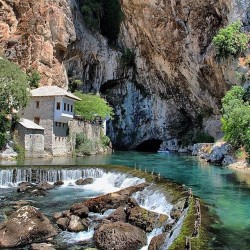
(84, 181)
(175, 77)
(119, 236)
(145, 219)
(25, 226)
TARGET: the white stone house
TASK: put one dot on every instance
(47, 116)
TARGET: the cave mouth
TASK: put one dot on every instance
(151, 145)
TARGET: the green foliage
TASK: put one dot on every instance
(104, 16)
(230, 41)
(91, 106)
(18, 148)
(202, 137)
(128, 58)
(13, 94)
(74, 85)
(196, 136)
(84, 145)
(105, 140)
(111, 20)
(236, 118)
(34, 79)
(92, 12)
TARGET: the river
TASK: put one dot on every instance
(226, 191)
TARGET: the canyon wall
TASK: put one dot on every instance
(174, 84)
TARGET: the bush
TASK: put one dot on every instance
(92, 106)
(230, 41)
(128, 58)
(105, 140)
(84, 145)
(236, 118)
(34, 79)
(104, 16)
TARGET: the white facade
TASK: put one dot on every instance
(63, 109)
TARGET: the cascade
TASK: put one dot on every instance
(34, 175)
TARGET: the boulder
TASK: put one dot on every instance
(57, 215)
(75, 224)
(228, 160)
(25, 226)
(145, 219)
(84, 181)
(119, 236)
(113, 200)
(45, 186)
(58, 183)
(42, 246)
(25, 186)
(175, 213)
(63, 223)
(157, 242)
(80, 209)
(118, 215)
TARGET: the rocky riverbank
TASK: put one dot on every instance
(219, 153)
(116, 219)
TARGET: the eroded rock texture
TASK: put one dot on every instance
(175, 80)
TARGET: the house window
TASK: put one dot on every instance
(37, 120)
(71, 108)
(59, 124)
(37, 104)
(68, 108)
(58, 106)
(65, 106)
(56, 124)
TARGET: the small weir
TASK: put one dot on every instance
(61, 198)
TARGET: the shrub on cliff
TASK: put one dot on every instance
(104, 16)
(92, 106)
(230, 41)
(13, 95)
(236, 118)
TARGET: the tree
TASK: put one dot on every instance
(13, 95)
(230, 41)
(92, 106)
(236, 118)
(34, 79)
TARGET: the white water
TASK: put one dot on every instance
(155, 232)
(153, 200)
(176, 230)
(11, 177)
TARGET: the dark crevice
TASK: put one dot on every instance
(151, 145)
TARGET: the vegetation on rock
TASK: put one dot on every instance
(92, 106)
(13, 95)
(34, 79)
(84, 145)
(236, 118)
(128, 58)
(230, 41)
(104, 16)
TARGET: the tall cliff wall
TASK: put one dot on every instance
(175, 79)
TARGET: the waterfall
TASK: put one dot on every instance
(153, 200)
(11, 177)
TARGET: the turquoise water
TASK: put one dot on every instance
(227, 191)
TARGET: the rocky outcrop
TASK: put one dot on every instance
(26, 225)
(157, 242)
(119, 236)
(145, 219)
(219, 153)
(42, 246)
(175, 79)
(84, 181)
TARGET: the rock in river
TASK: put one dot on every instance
(119, 236)
(25, 226)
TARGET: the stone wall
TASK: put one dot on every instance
(93, 131)
(32, 140)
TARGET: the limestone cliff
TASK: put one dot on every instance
(175, 80)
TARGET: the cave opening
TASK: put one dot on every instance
(152, 145)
